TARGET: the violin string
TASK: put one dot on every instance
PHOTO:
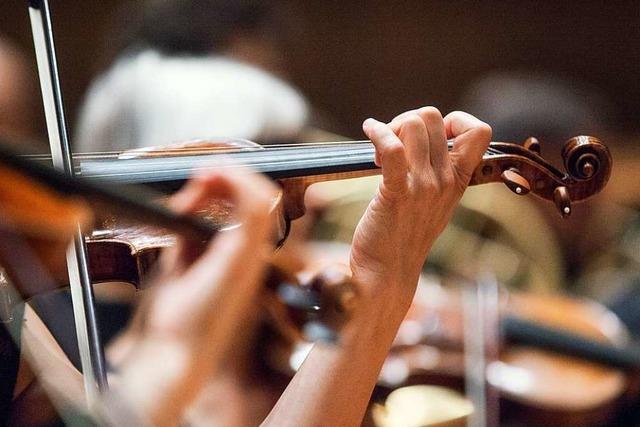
(268, 151)
(207, 150)
(255, 155)
(263, 158)
(269, 159)
(258, 160)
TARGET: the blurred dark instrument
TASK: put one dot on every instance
(120, 249)
(562, 361)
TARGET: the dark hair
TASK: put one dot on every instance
(198, 27)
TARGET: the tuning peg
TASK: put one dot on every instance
(533, 144)
(515, 181)
(562, 200)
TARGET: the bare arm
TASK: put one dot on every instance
(422, 184)
(48, 363)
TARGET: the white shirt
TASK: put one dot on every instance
(149, 99)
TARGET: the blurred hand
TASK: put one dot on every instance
(190, 320)
(422, 184)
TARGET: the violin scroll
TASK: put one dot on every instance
(522, 168)
(585, 157)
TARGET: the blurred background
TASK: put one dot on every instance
(355, 59)
(158, 71)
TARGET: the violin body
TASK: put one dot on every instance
(536, 386)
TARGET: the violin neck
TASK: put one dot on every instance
(321, 162)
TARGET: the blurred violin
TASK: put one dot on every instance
(120, 249)
(42, 208)
(296, 166)
(132, 227)
(562, 361)
(120, 252)
(125, 252)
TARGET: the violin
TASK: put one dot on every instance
(561, 361)
(297, 166)
(42, 208)
(133, 227)
(120, 251)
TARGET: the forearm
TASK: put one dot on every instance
(334, 384)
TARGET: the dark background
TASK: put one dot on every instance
(356, 59)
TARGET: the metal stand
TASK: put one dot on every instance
(91, 352)
(481, 335)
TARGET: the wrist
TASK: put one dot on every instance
(384, 295)
(377, 315)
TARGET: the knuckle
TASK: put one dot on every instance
(458, 114)
(483, 131)
(437, 189)
(457, 117)
(428, 184)
(412, 124)
(412, 121)
(392, 190)
(393, 150)
(431, 114)
(378, 130)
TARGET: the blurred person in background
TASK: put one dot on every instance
(553, 109)
(18, 95)
(194, 70)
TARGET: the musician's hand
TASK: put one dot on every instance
(191, 317)
(422, 184)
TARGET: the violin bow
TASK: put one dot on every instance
(89, 344)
